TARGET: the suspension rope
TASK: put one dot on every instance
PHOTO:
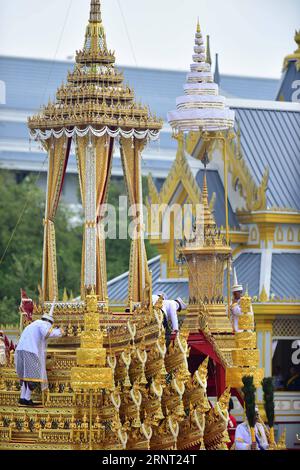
(39, 173)
(21, 214)
(57, 49)
(127, 33)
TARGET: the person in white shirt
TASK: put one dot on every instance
(3, 358)
(30, 355)
(243, 436)
(170, 309)
(235, 309)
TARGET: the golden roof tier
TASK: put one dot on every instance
(95, 95)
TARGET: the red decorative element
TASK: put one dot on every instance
(12, 347)
(231, 430)
(26, 305)
(6, 342)
(67, 154)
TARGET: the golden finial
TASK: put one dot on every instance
(95, 12)
(202, 369)
(263, 295)
(224, 399)
(198, 26)
(204, 190)
(281, 444)
(65, 295)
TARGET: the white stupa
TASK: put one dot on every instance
(201, 107)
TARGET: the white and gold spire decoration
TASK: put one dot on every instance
(201, 107)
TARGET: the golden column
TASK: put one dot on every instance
(139, 280)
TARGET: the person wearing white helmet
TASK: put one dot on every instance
(235, 309)
(30, 355)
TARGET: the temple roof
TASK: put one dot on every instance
(270, 138)
(285, 275)
(29, 82)
(259, 120)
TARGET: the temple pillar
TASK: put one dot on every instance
(139, 279)
(264, 327)
(58, 153)
(94, 160)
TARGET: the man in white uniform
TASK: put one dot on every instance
(30, 355)
(170, 309)
(243, 436)
(235, 309)
(3, 359)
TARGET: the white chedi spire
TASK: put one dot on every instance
(201, 107)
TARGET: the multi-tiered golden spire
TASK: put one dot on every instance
(206, 253)
(95, 12)
(95, 92)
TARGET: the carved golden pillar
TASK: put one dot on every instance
(139, 279)
(58, 151)
(94, 157)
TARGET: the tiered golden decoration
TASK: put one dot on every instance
(246, 356)
(216, 435)
(142, 397)
(95, 92)
(206, 254)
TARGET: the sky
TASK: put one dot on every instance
(251, 36)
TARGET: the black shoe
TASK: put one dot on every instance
(29, 403)
(22, 401)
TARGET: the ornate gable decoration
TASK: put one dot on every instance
(242, 180)
(180, 173)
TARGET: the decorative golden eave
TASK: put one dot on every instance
(268, 217)
(296, 54)
(281, 307)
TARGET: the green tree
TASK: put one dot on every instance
(22, 264)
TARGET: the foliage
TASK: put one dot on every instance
(268, 389)
(22, 264)
(249, 396)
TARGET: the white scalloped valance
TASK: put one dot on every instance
(45, 135)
